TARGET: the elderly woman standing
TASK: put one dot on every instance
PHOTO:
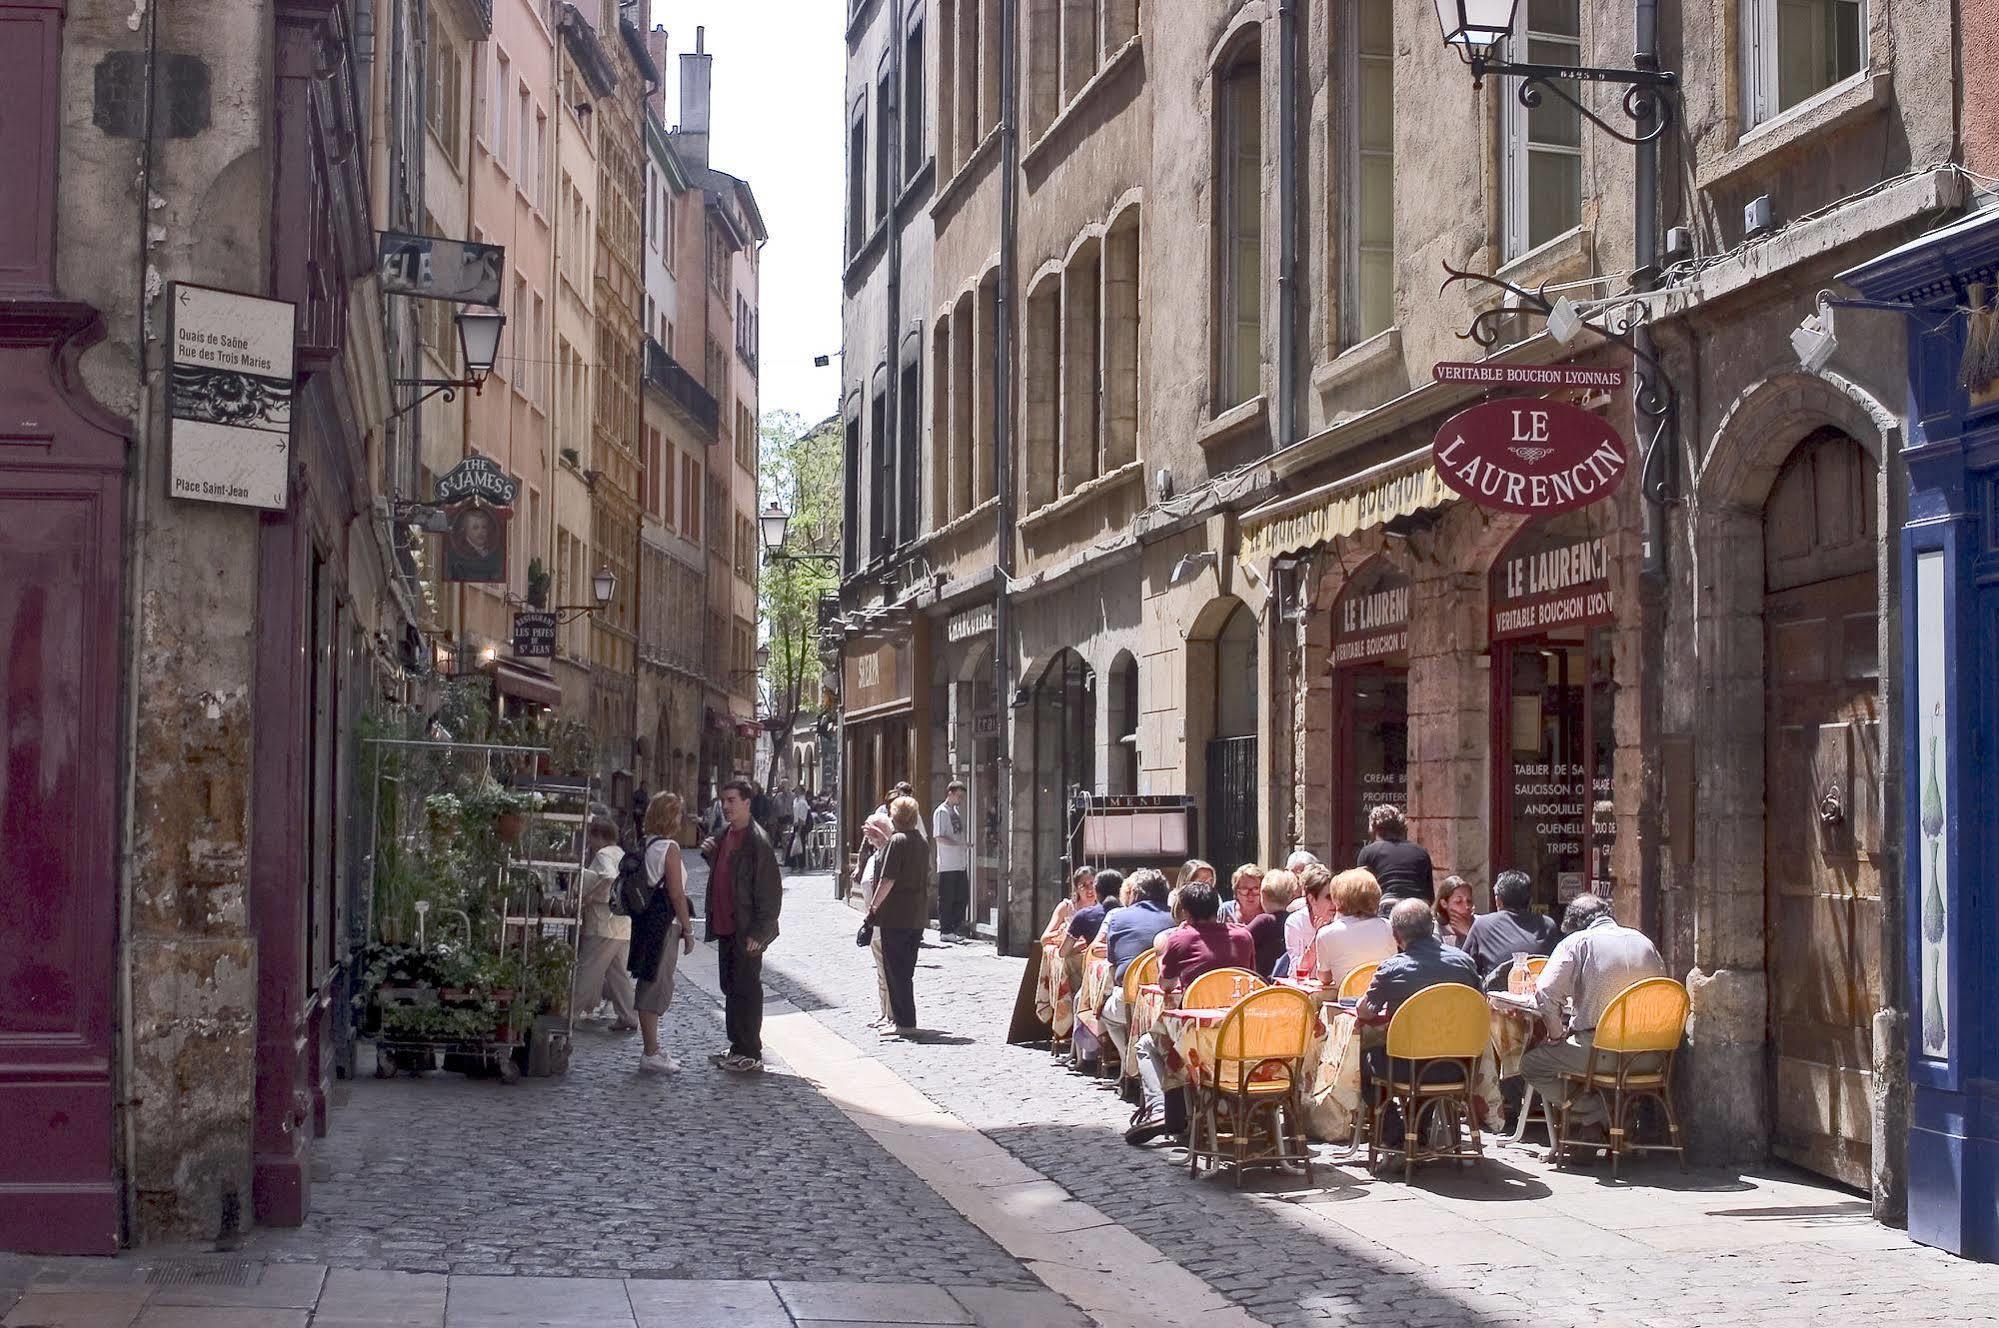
(901, 908)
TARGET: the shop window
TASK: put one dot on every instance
(1543, 151)
(1795, 49)
(1369, 656)
(1554, 706)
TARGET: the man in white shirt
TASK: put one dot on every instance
(606, 940)
(950, 831)
(1595, 961)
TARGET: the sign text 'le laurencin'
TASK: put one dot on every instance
(1530, 456)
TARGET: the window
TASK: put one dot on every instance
(1121, 341)
(669, 459)
(1239, 203)
(443, 91)
(690, 497)
(1543, 161)
(540, 160)
(880, 473)
(1796, 49)
(1041, 432)
(909, 464)
(522, 144)
(857, 180)
(537, 368)
(497, 88)
(850, 525)
(1370, 213)
(885, 145)
(912, 101)
(1083, 368)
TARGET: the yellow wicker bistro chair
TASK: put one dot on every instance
(1258, 1076)
(1533, 1111)
(1354, 985)
(1140, 972)
(1448, 1025)
(1630, 1060)
(1216, 989)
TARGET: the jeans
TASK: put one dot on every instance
(1168, 1107)
(899, 945)
(954, 896)
(742, 979)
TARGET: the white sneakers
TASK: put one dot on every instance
(660, 1064)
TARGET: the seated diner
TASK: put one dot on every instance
(1202, 945)
(1421, 961)
(1266, 930)
(1128, 933)
(1357, 933)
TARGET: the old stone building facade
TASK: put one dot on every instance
(1202, 398)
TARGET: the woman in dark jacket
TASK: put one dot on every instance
(901, 908)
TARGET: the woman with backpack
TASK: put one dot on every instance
(601, 948)
(662, 930)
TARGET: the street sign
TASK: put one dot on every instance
(1526, 375)
(534, 635)
(432, 268)
(229, 396)
(1529, 455)
(477, 477)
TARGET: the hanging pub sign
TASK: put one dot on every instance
(1531, 456)
(475, 546)
(477, 477)
(1371, 616)
(430, 267)
(534, 634)
(1550, 580)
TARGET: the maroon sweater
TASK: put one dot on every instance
(1194, 948)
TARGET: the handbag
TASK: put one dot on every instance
(866, 935)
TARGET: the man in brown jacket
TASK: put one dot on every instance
(745, 892)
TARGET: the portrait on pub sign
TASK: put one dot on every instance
(475, 548)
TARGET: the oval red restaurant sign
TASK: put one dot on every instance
(1528, 455)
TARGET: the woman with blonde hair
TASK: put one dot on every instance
(1275, 891)
(667, 920)
(901, 908)
(1357, 934)
(876, 831)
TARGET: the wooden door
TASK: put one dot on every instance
(1822, 807)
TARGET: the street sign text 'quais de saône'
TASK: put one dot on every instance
(1530, 455)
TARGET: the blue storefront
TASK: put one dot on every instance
(1950, 621)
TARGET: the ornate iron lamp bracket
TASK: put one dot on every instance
(1646, 98)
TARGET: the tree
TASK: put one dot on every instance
(801, 473)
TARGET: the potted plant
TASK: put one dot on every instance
(537, 584)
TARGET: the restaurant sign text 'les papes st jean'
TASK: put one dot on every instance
(1531, 456)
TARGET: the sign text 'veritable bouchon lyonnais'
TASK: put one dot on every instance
(1530, 456)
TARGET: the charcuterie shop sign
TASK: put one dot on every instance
(1530, 456)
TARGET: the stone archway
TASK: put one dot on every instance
(1730, 980)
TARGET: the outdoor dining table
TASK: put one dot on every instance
(1055, 992)
(1096, 986)
(1144, 1013)
(1333, 1083)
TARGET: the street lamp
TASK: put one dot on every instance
(1476, 26)
(1476, 29)
(604, 585)
(479, 331)
(772, 523)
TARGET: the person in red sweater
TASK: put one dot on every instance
(1200, 945)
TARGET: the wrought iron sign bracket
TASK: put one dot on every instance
(1647, 97)
(444, 387)
(1653, 393)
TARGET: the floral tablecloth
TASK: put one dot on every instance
(1096, 986)
(1055, 991)
(1191, 1036)
(1144, 1013)
(1332, 1093)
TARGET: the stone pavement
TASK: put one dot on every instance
(1513, 1242)
(956, 1180)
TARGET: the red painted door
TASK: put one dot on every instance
(59, 758)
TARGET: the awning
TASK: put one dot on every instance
(526, 684)
(1401, 487)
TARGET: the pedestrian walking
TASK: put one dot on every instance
(949, 831)
(662, 931)
(745, 893)
(1402, 868)
(801, 829)
(900, 910)
(604, 944)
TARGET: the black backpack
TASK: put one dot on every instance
(634, 892)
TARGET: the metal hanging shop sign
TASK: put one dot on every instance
(534, 634)
(1526, 375)
(976, 621)
(1530, 456)
(477, 477)
(431, 267)
(231, 368)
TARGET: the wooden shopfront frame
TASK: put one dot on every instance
(1367, 658)
(1551, 625)
(885, 692)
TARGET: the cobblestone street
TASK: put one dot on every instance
(835, 1192)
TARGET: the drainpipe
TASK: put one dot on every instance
(1287, 223)
(1003, 464)
(1657, 484)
